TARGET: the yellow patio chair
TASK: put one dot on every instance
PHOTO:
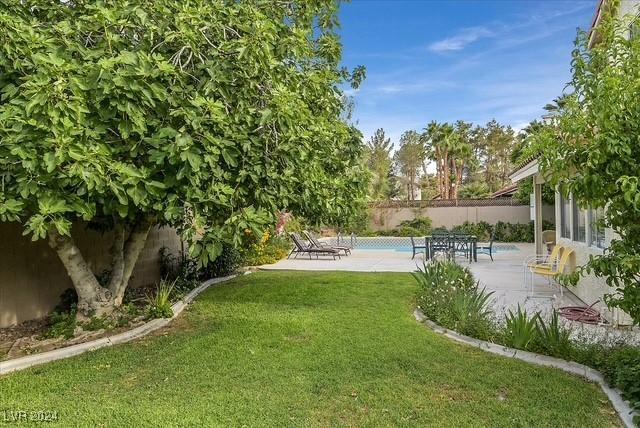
(546, 261)
(552, 272)
(549, 260)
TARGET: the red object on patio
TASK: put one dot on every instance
(587, 315)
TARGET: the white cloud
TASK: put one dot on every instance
(458, 42)
(413, 87)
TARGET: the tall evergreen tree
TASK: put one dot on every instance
(379, 163)
(409, 159)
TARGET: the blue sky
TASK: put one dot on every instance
(458, 59)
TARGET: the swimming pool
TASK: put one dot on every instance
(401, 244)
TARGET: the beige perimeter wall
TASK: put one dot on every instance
(383, 218)
(32, 277)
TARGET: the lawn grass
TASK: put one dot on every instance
(303, 349)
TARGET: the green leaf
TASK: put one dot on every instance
(50, 161)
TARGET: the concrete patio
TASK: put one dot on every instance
(503, 276)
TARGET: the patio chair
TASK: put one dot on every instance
(551, 272)
(486, 248)
(545, 261)
(417, 247)
(318, 244)
(548, 261)
(462, 244)
(300, 247)
(549, 239)
(441, 243)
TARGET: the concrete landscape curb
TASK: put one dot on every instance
(127, 336)
(625, 412)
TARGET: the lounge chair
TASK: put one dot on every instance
(417, 247)
(318, 244)
(300, 247)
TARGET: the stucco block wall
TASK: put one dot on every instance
(32, 276)
(388, 218)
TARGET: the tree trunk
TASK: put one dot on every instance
(438, 171)
(92, 298)
(127, 253)
(447, 178)
(459, 172)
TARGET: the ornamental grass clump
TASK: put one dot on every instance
(520, 330)
(554, 338)
(449, 296)
(159, 303)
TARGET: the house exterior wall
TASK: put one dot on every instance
(589, 288)
(628, 8)
(32, 276)
(387, 218)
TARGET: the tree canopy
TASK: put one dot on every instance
(469, 161)
(206, 116)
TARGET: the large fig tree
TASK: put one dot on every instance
(204, 115)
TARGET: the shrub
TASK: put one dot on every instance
(482, 229)
(471, 313)
(553, 338)
(267, 249)
(97, 323)
(449, 296)
(502, 232)
(159, 303)
(180, 270)
(406, 231)
(421, 224)
(621, 369)
(519, 329)
(225, 264)
(62, 324)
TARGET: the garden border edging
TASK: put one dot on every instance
(622, 407)
(22, 363)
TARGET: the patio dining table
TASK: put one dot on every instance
(451, 244)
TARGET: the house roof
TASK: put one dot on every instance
(505, 191)
(525, 171)
(593, 35)
(526, 161)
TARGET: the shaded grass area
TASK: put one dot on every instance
(303, 349)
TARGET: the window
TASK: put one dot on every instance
(596, 230)
(565, 210)
(634, 28)
(579, 223)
